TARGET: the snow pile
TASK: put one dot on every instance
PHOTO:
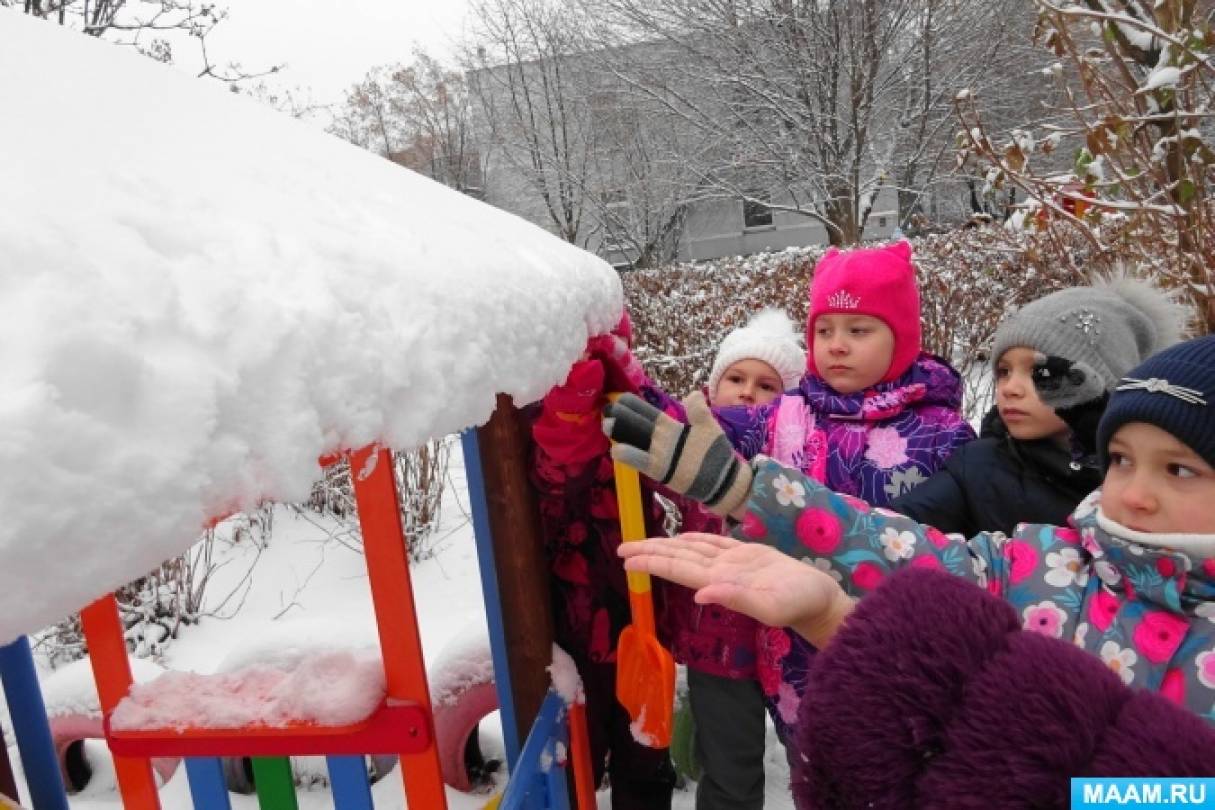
(200, 296)
(465, 662)
(332, 688)
(71, 690)
(565, 677)
(287, 643)
(1166, 76)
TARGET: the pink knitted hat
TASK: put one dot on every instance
(879, 282)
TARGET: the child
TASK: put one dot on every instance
(894, 716)
(573, 478)
(753, 366)
(1030, 466)
(758, 362)
(873, 417)
(573, 475)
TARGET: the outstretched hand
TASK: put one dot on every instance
(750, 578)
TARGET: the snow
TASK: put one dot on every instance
(71, 690)
(1167, 76)
(1096, 169)
(1024, 141)
(288, 642)
(465, 661)
(199, 297)
(327, 688)
(565, 677)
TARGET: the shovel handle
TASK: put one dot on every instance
(632, 528)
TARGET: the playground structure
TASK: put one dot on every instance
(332, 301)
(403, 724)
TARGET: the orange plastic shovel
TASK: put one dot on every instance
(645, 671)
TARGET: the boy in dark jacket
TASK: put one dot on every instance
(1029, 465)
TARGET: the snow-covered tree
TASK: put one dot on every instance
(802, 105)
(1135, 83)
(152, 27)
(418, 115)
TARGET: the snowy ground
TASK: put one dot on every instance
(309, 585)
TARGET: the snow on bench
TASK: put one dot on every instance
(335, 688)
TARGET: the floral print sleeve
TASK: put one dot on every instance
(858, 545)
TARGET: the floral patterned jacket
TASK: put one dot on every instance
(1148, 612)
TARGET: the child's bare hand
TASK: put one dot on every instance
(749, 578)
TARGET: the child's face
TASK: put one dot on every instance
(852, 352)
(748, 382)
(1157, 484)
(1025, 415)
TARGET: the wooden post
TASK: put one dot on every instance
(523, 579)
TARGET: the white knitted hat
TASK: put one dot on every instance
(769, 336)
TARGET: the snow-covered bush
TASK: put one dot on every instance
(154, 608)
(968, 279)
(420, 475)
(681, 312)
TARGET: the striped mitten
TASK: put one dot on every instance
(695, 459)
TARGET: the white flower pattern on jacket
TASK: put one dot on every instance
(788, 492)
(1121, 661)
(1149, 613)
(1066, 566)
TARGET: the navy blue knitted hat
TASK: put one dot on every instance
(1173, 390)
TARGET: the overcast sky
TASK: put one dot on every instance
(328, 45)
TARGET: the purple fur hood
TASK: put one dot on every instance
(931, 695)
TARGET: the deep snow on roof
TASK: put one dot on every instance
(199, 296)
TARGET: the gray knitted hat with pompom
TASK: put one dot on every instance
(1109, 327)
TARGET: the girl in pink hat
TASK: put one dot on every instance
(873, 417)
